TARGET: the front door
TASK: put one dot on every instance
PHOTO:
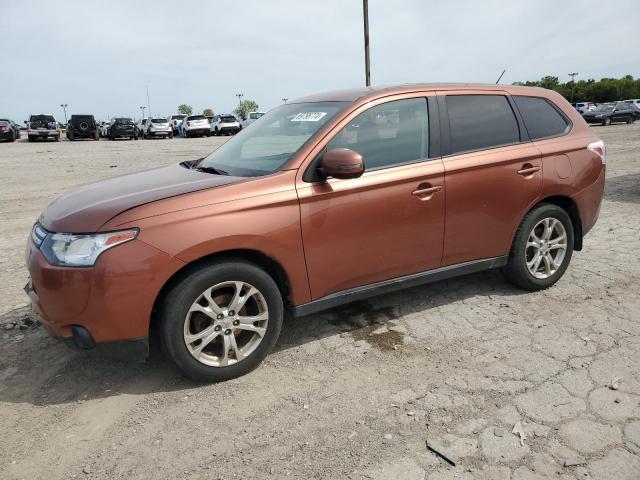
(387, 223)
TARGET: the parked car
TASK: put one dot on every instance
(142, 127)
(7, 131)
(194, 126)
(82, 126)
(318, 204)
(634, 101)
(225, 124)
(15, 127)
(251, 117)
(583, 107)
(158, 127)
(42, 126)
(608, 113)
(175, 120)
(122, 127)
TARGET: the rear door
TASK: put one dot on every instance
(492, 173)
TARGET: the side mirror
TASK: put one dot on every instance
(341, 163)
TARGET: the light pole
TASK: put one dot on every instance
(64, 107)
(284, 99)
(240, 95)
(367, 70)
(573, 84)
(142, 109)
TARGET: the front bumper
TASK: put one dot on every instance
(112, 301)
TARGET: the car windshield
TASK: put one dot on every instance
(604, 108)
(228, 119)
(124, 121)
(270, 143)
(177, 117)
(3, 123)
(159, 120)
(196, 117)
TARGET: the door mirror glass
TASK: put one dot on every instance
(341, 163)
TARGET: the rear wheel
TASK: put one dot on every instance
(221, 321)
(541, 249)
(630, 120)
(607, 121)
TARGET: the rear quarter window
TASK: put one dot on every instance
(541, 118)
(478, 122)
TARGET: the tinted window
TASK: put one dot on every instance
(388, 134)
(481, 121)
(540, 117)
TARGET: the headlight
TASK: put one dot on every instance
(75, 250)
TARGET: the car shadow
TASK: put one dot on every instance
(624, 188)
(40, 370)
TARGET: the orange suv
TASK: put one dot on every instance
(322, 201)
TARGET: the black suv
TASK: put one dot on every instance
(122, 127)
(82, 126)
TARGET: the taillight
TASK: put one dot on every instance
(599, 149)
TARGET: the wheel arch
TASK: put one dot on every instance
(568, 205)
(256, 257)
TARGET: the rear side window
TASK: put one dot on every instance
(480, 121)
(540, 117)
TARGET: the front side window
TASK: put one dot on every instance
(540, 118)
(273, 141)
(477, 122)
(388, 134)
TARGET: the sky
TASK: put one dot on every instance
(99, 57)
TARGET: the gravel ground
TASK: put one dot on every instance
(355, 392)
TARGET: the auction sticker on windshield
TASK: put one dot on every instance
(308, 116)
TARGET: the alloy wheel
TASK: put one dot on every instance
(546, 248)
(226, 323)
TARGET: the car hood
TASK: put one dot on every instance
(85, 209)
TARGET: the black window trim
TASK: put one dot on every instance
(434, 149)
(567, 130)
(523, 134)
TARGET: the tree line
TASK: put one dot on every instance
(241, 110)
(591, 90)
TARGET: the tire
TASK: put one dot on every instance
(630, 120)
(607, 121)
(170, 135)
(112, 138)
(96, 136)
(70, 136)
(175, 316)
(30, 139)
(56, 138)
(13, 138)
(517, 271)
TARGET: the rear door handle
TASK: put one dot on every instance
(425, 191)
(528, 169)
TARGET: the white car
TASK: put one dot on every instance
(42, 125)
(195, 126)
(158, 127)
(634, 101)
(583, 107)
(175, 120)
(142, 126)
(251, 117)
(225, 124)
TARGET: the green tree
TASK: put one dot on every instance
(185, 109)
(245, 107)
(591, 90)
(208, 112)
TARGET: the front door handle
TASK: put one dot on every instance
(425, 191)
(528, 169)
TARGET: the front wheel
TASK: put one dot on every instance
(541, 249)
(607, 121)
(221, 321)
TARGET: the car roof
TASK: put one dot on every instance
(353, 94)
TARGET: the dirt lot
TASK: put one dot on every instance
(352, 393)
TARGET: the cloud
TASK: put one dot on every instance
(99, 56)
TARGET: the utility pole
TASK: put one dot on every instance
(367, 69)
(142, 108)
(148, 102)
(64, 107)
(573, 84)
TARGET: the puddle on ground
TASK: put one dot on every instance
(364, 322)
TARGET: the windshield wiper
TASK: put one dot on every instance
(215, 171)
